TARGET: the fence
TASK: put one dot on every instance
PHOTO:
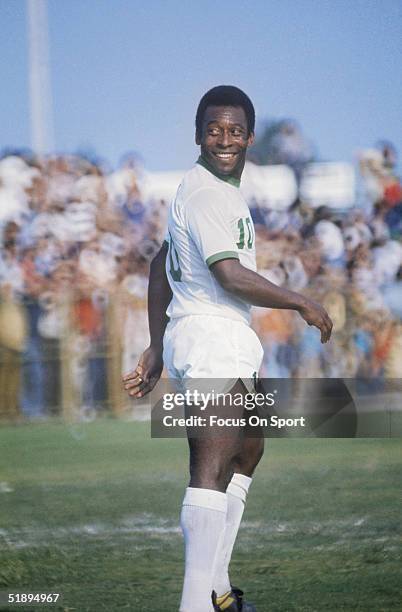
(66, 358)
(63, 356)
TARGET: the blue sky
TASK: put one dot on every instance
(128, 74)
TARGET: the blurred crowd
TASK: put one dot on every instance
(76, 243)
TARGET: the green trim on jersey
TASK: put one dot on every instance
(222, 255)
(228, 179)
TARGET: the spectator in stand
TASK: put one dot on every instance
(291, 147)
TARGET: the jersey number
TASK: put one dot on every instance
(175, 270)
(250, 233)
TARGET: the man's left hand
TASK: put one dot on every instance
(143, 379)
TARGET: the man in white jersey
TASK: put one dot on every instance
(209, 221)
(202, 284)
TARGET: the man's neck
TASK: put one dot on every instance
(227, 178)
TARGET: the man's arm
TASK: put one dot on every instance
(159, 298)
(149, 369)
(258, 291)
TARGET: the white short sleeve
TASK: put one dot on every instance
(209, 224)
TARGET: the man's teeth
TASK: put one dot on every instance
(225, 155)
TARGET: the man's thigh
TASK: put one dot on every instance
(215, 446)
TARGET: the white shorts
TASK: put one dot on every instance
(206, 346)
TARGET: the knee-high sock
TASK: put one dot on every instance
(236, 499)
(203, 520)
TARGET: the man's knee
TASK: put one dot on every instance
(214, 474)
(249, 457)
(211, 461)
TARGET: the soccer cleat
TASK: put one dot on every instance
(232, 601)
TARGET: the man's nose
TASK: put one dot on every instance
(224, 139)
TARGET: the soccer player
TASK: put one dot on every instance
(202, 284)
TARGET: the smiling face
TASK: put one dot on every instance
(224, 139)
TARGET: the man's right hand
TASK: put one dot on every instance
(315, 314)
(143, 379)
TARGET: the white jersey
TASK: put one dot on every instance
(208, 221)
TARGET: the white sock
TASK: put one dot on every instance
(236, 499)
(203, 520)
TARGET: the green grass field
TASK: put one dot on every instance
(91, 511)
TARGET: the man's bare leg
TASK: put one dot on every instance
(244, 464)
(203, 517)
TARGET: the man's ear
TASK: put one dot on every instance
(250, 140)
(197, 138)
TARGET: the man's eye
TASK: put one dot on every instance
(237, 132)
(213, 132)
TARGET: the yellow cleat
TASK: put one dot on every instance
(232, 601)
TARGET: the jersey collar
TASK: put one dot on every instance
(228, 179)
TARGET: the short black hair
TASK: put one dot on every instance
(225, 95)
